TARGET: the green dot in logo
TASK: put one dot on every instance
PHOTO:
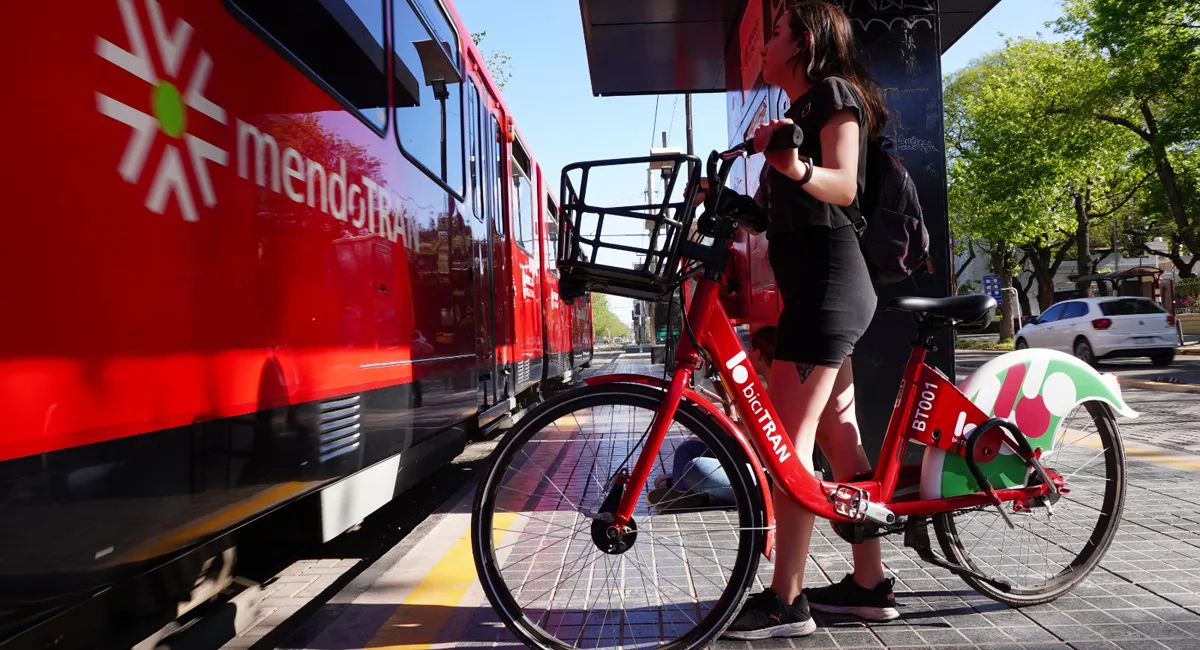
(169, 109)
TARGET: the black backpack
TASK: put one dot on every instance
(889, 221)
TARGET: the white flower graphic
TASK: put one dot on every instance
(170, 110)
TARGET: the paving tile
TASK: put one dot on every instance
(899, 637)
(856, 639)
(819, 640)
(1138, 599)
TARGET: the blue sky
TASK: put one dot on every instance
(550, 95)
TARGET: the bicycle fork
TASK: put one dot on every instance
(635, 482)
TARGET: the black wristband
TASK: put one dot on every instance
(807, 174)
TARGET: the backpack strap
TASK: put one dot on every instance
(857, 218)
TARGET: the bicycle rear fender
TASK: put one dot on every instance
(1034, 388)
(723, 420)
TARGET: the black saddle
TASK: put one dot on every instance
(947, 311)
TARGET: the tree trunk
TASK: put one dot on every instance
(1023, 294)
(1043, 274)
(1045, 292)
(1002, 266)
(1083, 241)
(1184, 230)
(967, 262)
(1183, 269)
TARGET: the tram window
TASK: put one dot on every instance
(340, 42)
(522, 195)
(496, 155)
(480, 145)
(473, 162)
(487, 170)
(551, 240)
(428, 91)
(523, 210)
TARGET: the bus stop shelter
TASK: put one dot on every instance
(639, 47)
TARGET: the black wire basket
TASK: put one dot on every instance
(597, 250)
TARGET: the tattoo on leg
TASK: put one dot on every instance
(805, 369)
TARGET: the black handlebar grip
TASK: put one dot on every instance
(788, 136)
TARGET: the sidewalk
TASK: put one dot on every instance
(1145, 594)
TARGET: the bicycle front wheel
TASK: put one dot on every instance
(674, 580)
(1050, 550)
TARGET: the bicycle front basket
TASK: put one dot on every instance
(629, 250)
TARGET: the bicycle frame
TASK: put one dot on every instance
(926, 400)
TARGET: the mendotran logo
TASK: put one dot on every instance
(166, 111)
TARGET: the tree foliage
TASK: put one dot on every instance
(1150, 89)
(1013, 161)
(1052, 145)
(497, 60)
(604, 321)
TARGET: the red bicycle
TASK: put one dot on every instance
(1022, 478)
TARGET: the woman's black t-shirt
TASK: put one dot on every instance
(789, 207)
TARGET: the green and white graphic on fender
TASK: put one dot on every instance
(1033, 388)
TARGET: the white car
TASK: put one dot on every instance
(1104, 328)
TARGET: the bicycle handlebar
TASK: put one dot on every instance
(789, 136)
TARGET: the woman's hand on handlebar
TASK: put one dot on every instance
(786, 161)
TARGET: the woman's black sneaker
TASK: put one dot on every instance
(765, 615)
(847, 597)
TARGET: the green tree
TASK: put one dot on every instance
(497, 60)
(1028, 178)
(604, 321)
(1150, 89)
(1008, 171)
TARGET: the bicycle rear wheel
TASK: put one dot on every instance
(554, 578)
(1046, 555)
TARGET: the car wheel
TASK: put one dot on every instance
(1163, 359)
(1021, 345)
(1083, 352)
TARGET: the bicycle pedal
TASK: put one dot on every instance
(855, 504)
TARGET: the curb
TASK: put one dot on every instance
(1160, 386)
(1127, 383)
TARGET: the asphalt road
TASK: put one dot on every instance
(1185, 369)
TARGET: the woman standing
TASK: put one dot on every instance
(828, 298)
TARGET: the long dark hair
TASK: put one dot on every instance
(834, 53)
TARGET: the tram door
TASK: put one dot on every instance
(502, 298)
(486, 238)
(481, 260)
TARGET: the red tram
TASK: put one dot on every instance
(255, 250)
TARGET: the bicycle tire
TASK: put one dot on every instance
(1099, 540)
(747, 495)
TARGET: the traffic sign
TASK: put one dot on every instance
(991, 286)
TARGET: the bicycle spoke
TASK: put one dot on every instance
(679, 560)
(1043, 552)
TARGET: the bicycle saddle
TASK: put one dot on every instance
(963, 309)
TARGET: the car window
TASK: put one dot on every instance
(1130, 306)
(1052, 314)
(1074, 310)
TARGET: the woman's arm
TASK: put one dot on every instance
(836, 181)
